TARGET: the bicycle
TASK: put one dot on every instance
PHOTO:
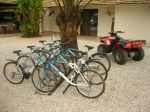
(87, 56)
(86, 75)
(13, 71)
(23, 66)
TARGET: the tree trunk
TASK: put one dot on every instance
(69, 29)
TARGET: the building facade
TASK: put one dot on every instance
(133, 19)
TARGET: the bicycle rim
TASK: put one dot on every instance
(96, 85)
(13, 73)
(26, 63)
(99, 67)
(42, 82)
(103, 59)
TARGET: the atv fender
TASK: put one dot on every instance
(117, 46)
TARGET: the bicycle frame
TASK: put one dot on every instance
(51, 64)
(37, 60)
(70, 52)
(75, 68)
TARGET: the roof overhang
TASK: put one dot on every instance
(51, 3)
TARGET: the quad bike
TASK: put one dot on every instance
(122, 49)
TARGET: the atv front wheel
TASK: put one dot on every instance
(101, 49)
(121, 56)
(139, 54)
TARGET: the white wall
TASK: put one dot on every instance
(49, 22)
(104, 19)
(134, 20)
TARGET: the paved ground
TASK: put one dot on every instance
(127, 87)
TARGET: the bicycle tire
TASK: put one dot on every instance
(62, 69)
(101, 58)
(46, 87)
(26, 67)
(97, 66)
(99, 91)
(19, 69)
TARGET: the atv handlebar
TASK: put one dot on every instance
(120, 32)
(115, 33)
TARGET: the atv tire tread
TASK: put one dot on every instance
(140, 54)
(124, 56)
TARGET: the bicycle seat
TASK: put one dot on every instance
(17, 52)
(83, 53)
(89, 47)
(30, 47)
(42, 41)
(50, 44)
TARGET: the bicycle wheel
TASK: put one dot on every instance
(26, 63)
(43, 82)
(93, 89)
(13, 73)
(97, 66)
(103, 59)
(62, 69)
(69, 59)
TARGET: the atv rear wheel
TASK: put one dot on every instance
(121, 56)
(139, 54)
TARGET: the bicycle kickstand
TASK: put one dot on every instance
(66, 88)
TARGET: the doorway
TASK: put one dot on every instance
(90, 22)
(8, 23)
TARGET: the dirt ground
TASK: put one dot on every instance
(127, 87)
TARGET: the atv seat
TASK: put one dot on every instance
(30, 47)
(89, 47)
(42, 41)
(17, 52)
(104, 37)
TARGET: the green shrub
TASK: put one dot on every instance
(29, 13)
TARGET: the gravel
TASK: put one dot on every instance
(127, 87)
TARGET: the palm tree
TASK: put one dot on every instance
(69, 19)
